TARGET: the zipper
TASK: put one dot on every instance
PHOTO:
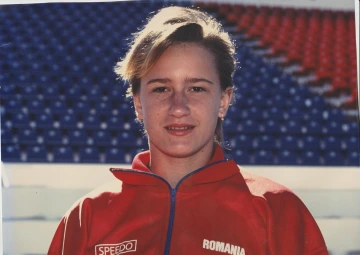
(172, 198)
(171, 220)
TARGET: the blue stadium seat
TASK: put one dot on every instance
(13, 105)
(242, 157)
(103, 107)
(53, 137)
(264, 157)
(10, 153)
(126, 138)
(77, 136)
(272, 113)
(114, 122)
(265, 142)
(333, 158)
(313, 128)
(36, 153)
(230, 125)
(36, 106)
(44, 120)
(311, 158)
(294, 127)
(7, 137)
(352, 143)
(92, 122)
(333, 143)
(21, 120)
(249, 127)
(73, 93)
(68, 121)
(289, 142)
(244, 141)
(114, 155)
(272, 127)
(81, 107)
(8, 91)
(27, 136)
(102, 137)
(287, 157)
(63, 154)
(309, 142)
(353, 158)
(58, 106)
(89, 155)
(50, 92)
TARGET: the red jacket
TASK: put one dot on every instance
(214, 210)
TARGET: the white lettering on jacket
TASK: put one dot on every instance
(116, 249)
(223, 247)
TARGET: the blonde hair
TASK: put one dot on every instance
(174, 25)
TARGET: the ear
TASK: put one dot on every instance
(138, 107)
(225, 101)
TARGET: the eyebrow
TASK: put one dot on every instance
(187, 80)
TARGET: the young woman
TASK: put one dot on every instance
(182, 196)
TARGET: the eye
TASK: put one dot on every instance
(160, 89)
(197, 89)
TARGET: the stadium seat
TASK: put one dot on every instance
(63, 154)
(289, 142)
(264, 157)
(7, 137)
(77, 136)
(89, 155)
(265, 142)
(53, 137)
(333, 158)
(10, 153)
(114, 155)
(310, 142)
(287, 157)
(126, 138)
(21, 120)
(242, 157)
(311, 158)
(102, 137)
(27, 136)
(333, 143)
(36, 153)
(58, 106)
(353, 158)
(352, 143)
(36, 106)
(44, 120)
(68, 121)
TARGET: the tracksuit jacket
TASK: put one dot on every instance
(217, 209)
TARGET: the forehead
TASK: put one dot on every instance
(186, 59)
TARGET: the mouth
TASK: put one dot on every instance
(179, 129)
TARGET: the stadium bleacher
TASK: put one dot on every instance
(59, 76)
(296, 95)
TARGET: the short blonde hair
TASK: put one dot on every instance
(174, 25)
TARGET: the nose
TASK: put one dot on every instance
(179, 105)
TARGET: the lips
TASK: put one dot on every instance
(179, 129)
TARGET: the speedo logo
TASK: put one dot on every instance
(116, 249)
(223, 247)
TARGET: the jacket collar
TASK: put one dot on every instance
(217, 169)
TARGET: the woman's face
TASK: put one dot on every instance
(180, 100)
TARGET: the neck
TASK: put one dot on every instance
(174, 169)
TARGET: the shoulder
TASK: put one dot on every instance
(259, 185)
(271, 191)
(98, 198)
